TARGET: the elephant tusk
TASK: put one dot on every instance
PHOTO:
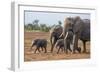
(66, 35)
(72, 44)
(73, 39)
(61, 35)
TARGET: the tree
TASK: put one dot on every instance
(29, 27)
(42, 27)
(36, 25)
(36, 21)
(59, 22)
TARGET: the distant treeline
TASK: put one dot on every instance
(36, 26)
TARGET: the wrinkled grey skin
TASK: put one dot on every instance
(55, 32)
(39, 43)
(60, 43)
(81, 30)
(68, 41)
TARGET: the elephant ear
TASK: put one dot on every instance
(67, 22)
(56, 28)
(77, 18)
(78, 24)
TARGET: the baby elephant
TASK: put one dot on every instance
(39, 43)
(60, 45)
(66, 42)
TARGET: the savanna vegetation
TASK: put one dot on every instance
(36, 26)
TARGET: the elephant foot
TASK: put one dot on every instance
(79, 49)
(74, 51)
(51, 51)
(58, 52)
(67, 53)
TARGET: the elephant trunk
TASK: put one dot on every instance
(75, 43)
(51, 41)
(65, 41)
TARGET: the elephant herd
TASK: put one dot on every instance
(66, 37)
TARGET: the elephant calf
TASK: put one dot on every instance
(60, 45)
(39, 43)
(61, 42)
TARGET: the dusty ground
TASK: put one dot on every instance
(30, 56)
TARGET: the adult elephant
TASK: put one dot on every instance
(55, 32)
(81, 30)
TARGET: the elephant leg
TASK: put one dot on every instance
(65, 46)
(75, 42)
(42, 48)
(53, 44)
(62, 49)
(66, 51)
(70, 49)
(58, 50)
(37, 48)
(52, 48)
(68, 45)
(65, 43)
(84, 46)
(79, 49)
(45, 50)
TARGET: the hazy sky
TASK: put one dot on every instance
(50, 18)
